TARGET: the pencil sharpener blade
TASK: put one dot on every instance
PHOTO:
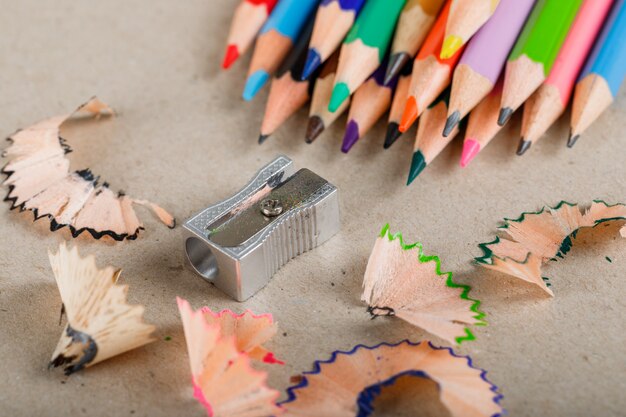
(240, 242)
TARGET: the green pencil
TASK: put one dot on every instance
(534, 53)
(364, 47)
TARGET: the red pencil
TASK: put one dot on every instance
(247, 21)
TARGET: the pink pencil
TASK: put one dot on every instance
(550, 100)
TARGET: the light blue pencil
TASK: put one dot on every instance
(275, 40)
(602, 75)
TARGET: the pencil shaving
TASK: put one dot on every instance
(249, 330)
(100, 322)
(347, 384)
(224, 381)
(401, 281)
(538, 237)
(40, 180)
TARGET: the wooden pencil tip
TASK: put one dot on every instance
(410, 114)
(418, 163)
(505, 115)
(523, 146)
(313, 129)
(393, 133)
(263, 138)
(395, 65)
(571, 141)
(312, 62)
(230, 56)
(340, 93)
(451, 123)
(350, 137)
(471, 148)
(451, 44)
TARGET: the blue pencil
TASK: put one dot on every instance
(333, 20)
(602, 75)
(276, 38)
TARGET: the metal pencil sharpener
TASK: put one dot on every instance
(239, 243)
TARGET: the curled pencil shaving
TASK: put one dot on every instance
(250, 331)
(39, 180)
(538, 237)
(100, 322)
(223, 379)
(401, 281)
(347, 384)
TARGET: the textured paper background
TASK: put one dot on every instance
(185, 139)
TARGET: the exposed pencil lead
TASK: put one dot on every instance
(393, 133)
(571, 141)
(505, 115)
(263, 138)
(451, 123)
(396, 63)
(313, 129)
(523, 146)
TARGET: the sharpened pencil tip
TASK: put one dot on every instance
(470, 150)
(255, 81)
(505, 115)
(410, 114)
(230, 56)
(340, 93)
(523, 146)
(396, 63)
(350, 137)
(451, 123)
(263, 138)
(393, 133)
(418, 163)
(451, 44)
(313, 129)
(312, 62)
(571, 141)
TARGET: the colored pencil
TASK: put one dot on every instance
(429, 142)
(548, 103)
(397, 105)
(248, 19)
(319, 116)
(466, 17)
(275, 40)
(333, 20)
(484, 58)
(415, 21)
(364, 48)
(431, 74)
(534, 53)
(288, 93)
(371, 100)
(603, 74)
(482, 125)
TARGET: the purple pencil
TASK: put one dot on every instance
(484, 58)
(369, 102)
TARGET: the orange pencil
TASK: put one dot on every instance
(431, 74)
(247, 21)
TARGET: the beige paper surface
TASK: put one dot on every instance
(189, 140)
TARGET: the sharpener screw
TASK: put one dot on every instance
(271, 207)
